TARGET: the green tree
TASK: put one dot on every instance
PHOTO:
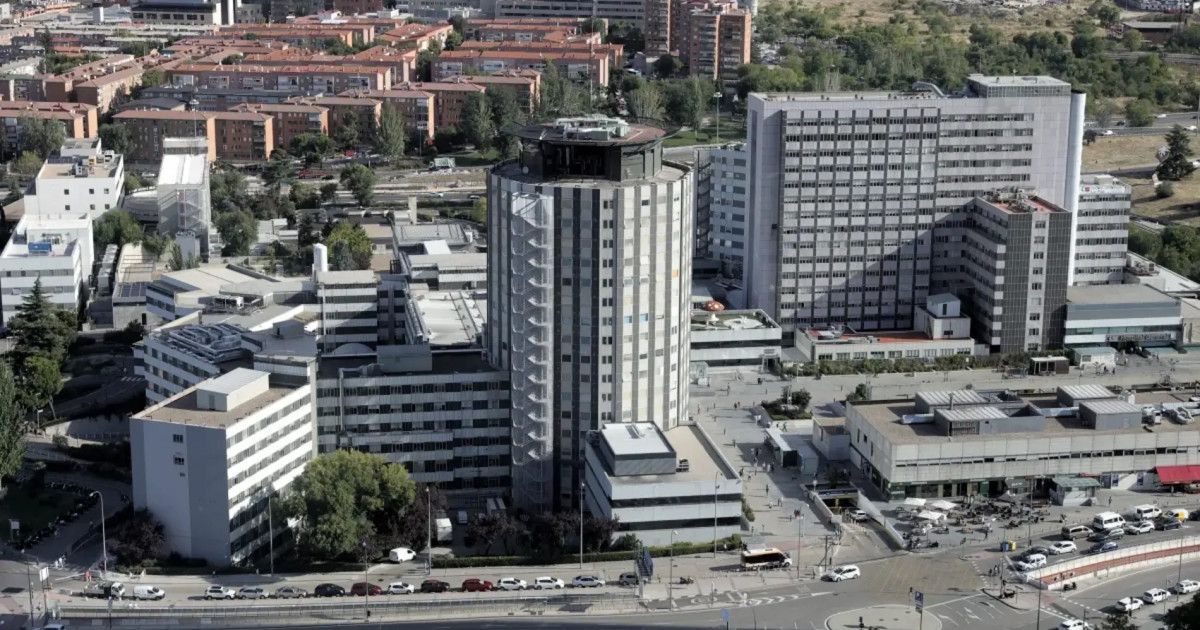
(1185, 616)
(559, 97)
(1177, 163)
(1132, 41)
(506, 109)
(132, 183)
(861, 393)
(137, 539)
(1103, 110)
(390, 137)
(115, 137)
(645, 103)
(40, 381)
(304, 195)
(354, 245)
(176, 257)
(348, 135)
(1105, 12)
(591, 25)
(328, 192)
(453, 40)
(12, 424)
(1143, 242)
(40, 329)
(278, 169)
(1089, 136)
(415, 529)
(155, 244)
(239, 231)
(26, 166)
(668, 66)
(42, 136)
(228, 190)
(345, 497)
(479, 210)
(1139, 113)
(477, 123)
(312, 148)
(305, 231)
(153, 77)
(1117, 621)
(360, 181)
(117, 227)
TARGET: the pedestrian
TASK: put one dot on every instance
(1109, 501)
(964, 541)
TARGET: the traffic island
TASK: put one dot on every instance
(891, 617)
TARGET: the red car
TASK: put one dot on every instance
(361, 588)
(475, 586)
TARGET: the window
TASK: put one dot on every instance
(178, 460)
(177, 438)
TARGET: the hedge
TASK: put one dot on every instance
(680, 549)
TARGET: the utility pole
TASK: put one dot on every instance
(29, 582)
(1039, 608)
(799, 537)
(582, 493)
(366, 582)
(103, 535)
(271, 536)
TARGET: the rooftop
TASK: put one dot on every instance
(838, 336)
(635, 438)
(182, 409)
(731, 320)
(1116, 294)
(68, 168)
(1017, 80)
(688, 441)
(453, 362)
(411, 235)
(453, 318)
(594, 129)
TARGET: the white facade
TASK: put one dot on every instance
(54, 248)
(1102, 231)
(206, 460)
(589, 284)
(82, 179)
(730, 196)
(348, 307)
(848, 188)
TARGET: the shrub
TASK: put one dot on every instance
(747, 511)
(1164, 190)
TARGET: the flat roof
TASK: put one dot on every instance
(1116, 294)
(182, 409)
(1110, 406)
(408, 235)
(231, 381)
(452, 317)
(64, 168)
(351, 276)
(1013, 79)
(687, 440)
(635, 438)
(209, 279)
(1090, 391)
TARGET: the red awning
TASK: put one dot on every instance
(1178, 474)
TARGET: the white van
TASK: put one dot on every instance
(1146, 512)
(1107, 520)
(401, 554)
(145, 591)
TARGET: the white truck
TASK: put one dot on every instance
(445, 531)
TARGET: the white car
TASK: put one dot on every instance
(219, 592)
(1191, 127)
(401, 554)
(512, 584)
(1106, 132)
(857, 516)
(1155, 595)
(400, 588)
(845, 572)
(1140, 527)
(1062, 546)
(1128, 604)
(547, 582)
(1187, 586)
(1161, 116)
(252, 592)
(583, 581)
(1074, 624)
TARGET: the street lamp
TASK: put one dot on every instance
(366, 581)
(717, 108)
(799, 536)
(716, 487)
(671, 580)
(428, 533)
(582, 494)
(103, 534)
(271, 536)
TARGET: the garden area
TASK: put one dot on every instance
(39, 506)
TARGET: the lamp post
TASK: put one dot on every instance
(271, 536)
(799, 537)
(366, 582)
(671, 580)
(428, 533)
(717, 110)
(582, 494)
(103, 535)
(716, 482)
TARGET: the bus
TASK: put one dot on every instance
(769, 558)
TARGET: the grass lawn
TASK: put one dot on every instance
(35, 510)
(1117, 152)
(731, 131)
(1182, 208)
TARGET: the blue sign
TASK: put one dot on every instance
(725, 615)
(919, 598)
(41, 247)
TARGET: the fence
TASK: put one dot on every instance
(1140, 556)
(377, 609)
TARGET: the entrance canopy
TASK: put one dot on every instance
(1178, 474)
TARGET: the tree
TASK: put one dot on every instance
(645, 103)
(228, 190)
(345, 497)
(1144, 242)
(132, 183)
(598, 532)
(1103, 111)
(41, 329)
(1164, 190)
(591, 25)
(390, 137)
(46, 41)
(304, 195)
(153, 77)
(239, 231)
(312, 148)
(176, 257)
(117, 227)
(861, 393)
(40, 381)
(686, 102)
(801, 398)
(667, 66)
(278, 169)
(424, 70)
(155, 244)
(506, 109)
(479, 210)
(12, 424)
(476, 123)
(1117, 621)
(1177, 162)
(1133, 40)
(1089, 136)
(42, 136)
(352, 239)
(348, 132)
(328, 192)
(360, 181)
(115, 137)
(490, 529)
(453, 40)
(1105, 12)
(415, 529)
(137, 539)
(1139, 113)
(1185, 616)
(548, 532)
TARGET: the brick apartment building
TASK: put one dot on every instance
(399, 65)
(715, 40)
(61, 88)
(291, 119)
(79, 120)
(415, 106)
(323, 79)
(306, 35)
(219, 100)
(417, 36)
(615, 52)
(365, 110)
(111, 89)
(526, 85)
(232, 136)
(356, 7)
(450, 100)
(578, 67)
(243, 136)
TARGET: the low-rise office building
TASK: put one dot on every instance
(1124, 316)
(961, 443)
(81, 179)
(942, 330)
(54, 249)
(735, 338)
(663, 487)
(207, 461)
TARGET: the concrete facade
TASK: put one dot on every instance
(1102, 232)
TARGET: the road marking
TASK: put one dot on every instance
(951, 601)
(946, 618)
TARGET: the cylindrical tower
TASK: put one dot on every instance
(589, 292)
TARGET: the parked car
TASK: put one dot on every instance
(1102, 547)
(586, 581)
(434, 586)
(1106, 535)
(401, 588)
(145, 591)
(844, 572)
(857, 515)
(1031, 562)
(1155, 595)
(1036, 550)
(329, 590)
(1074, 624)
(547, 582)
(1167, 524)
(364, 588)
(1187, 586)
(219, 592)
(1062, 546)
(1128, 604)
(252, 592)
(401, 554)
(290, 592)
(1141, 527)
(629, 579)
(512, 584)
(475, 585)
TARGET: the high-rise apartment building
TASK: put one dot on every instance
(589, 285)
(1102, 230)
(850, 188)
(657, 27)
(724, 222)
(715, 39)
